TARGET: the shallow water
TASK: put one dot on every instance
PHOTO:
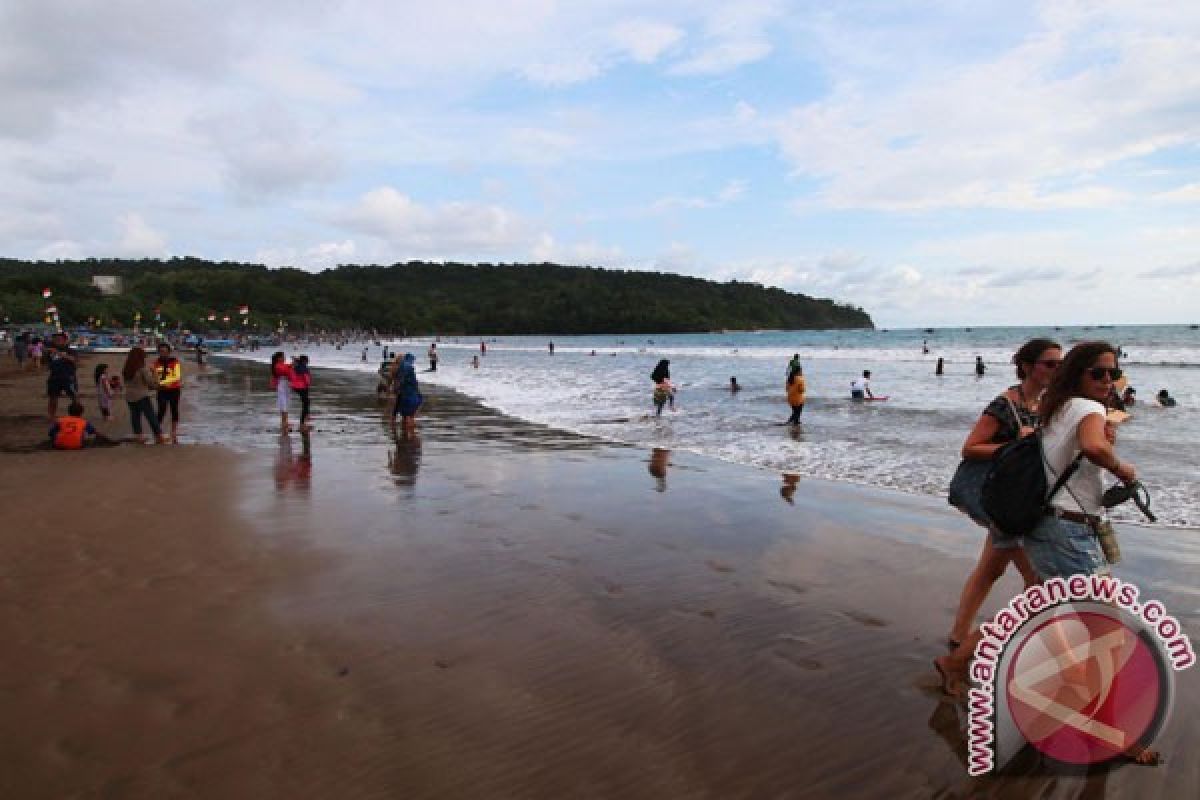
(909, 443)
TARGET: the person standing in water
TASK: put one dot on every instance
(301, 382)
(408, 393)
(664, 390)
(733, 384)
(281, 383)
(795, 395)
(980, 367)
(941, 366)
(170, 386)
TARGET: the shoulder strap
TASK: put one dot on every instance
(1061, 481)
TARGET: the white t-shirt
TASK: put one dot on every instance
(859, 385)
(1060, 443)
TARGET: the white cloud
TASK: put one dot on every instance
(591, 253)
(318, 256)
(729, 193)
(736, 35)
(61, 249)
(1034, 127)
(138, 239)
(646, 40)
(450, 228)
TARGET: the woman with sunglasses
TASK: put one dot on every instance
(1012, 415)
(1074, 419)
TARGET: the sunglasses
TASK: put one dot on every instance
(1098, 373)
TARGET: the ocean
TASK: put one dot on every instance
(909, 443)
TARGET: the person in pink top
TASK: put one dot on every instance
(281, 382)
(301, 380)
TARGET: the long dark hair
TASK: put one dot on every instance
(133, 362)
(100, 370)
(661, 371)
(1068, 378)
(276, 357)
(1029, 353)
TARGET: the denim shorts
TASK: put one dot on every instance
(1062, 547)
(1001, 541)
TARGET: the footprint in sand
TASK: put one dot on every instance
(790, 649)
(708, 613)
(611, 587)
(865, 619)
(531, 507)
(791, 587)
(574, 517)
(717, 566)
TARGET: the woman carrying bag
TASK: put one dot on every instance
(1011, 415)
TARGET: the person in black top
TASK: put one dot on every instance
(60, 360)
(980, 367)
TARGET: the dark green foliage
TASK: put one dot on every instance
(417, 297)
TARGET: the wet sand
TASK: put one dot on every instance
(490, 610)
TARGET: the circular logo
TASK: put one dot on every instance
(1086, 686)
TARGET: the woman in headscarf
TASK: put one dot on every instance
(408, 395)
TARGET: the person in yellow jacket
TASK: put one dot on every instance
(169, 372)
(795, 394)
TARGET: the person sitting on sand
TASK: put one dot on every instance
(860, 388)
(72, 432)
(1165, 400)
(795, 395)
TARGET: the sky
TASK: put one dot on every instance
(969, 164)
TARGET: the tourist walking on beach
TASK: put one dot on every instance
(281, 382)
(61, 362)
(301, 380)
(169, 372)
(140, 381)
(1012, 415)
(795, 395)
(1075, 422)
(433, 357)
(408, 393)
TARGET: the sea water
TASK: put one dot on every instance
(600, 386)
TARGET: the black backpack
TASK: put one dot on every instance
(1014, 491)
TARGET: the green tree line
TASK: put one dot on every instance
(416, 297)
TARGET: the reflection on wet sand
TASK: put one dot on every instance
(788, 490)
(293, 471)
(405, 460)
(660, 459)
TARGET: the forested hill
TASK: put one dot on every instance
(416, 297)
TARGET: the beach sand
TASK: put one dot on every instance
(490, 610)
